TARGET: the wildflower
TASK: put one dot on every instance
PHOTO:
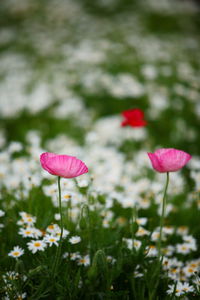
(133, 118)
(196, 282)
(155, 236)
(26, 219)
(191, 242)
(132, 243)
(182, 230)
(2, 213)
(35, 246)
(75, 255)
(137, 244)
(169, 159)
(186, 288)
(83, 183)
(26, 232)
(85, 260)
(168, 251)
(165, 263)
(110, 259)
(171, 290)
(65, 232)
(174, 273)
(168, 230)
(151, 251)
(55, 230)
(183, 248)
(52, 228)
(57, 217)
(190, 271)
(141, 221)
(62, 165)
(171, 264)
(144, 203)
(180, 289)
(1, 226)
(142, 231)
(51, 240)
(10, 276)
(16, 252)
(37, 232)
(75, 239)
(18, 296)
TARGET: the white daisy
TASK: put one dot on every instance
(85, 260)
(75, 239)
(183, 248)
(151, 251)
(16, 252)
(186, 288)
(2, 213)
(65, 233)
(141, 221)
(26, 219)
(54, 229)
(51, 239)
(35, 246)
(142, 231)
(26, 232)
(168, 229)
(182, 230)
(37, 233)
(168, 251)
(10, 276)
(180, 289)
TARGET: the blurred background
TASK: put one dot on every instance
(65, 64)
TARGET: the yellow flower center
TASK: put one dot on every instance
(37, 244)
(184, 248)
(152, 247)
(51, 226)
(174, 270)
(190, 270)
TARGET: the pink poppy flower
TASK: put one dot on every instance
(169, 159)
(62, 165)
(133, 118)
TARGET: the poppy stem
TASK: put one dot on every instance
(158, 267)
(133, 220)
(162, 217)
(57, 257)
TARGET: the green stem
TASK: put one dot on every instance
(133, 219)
(156, 273)
(57, 257)
(162, 217)
(89, 232)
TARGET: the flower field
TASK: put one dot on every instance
(99, 150)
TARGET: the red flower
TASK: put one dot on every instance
(133, 118)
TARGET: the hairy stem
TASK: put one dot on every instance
(162, 217)
(57, 257)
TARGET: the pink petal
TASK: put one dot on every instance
(155, 162)
(44, 159)
(63, 165)
(169, 159)
(173, 160)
